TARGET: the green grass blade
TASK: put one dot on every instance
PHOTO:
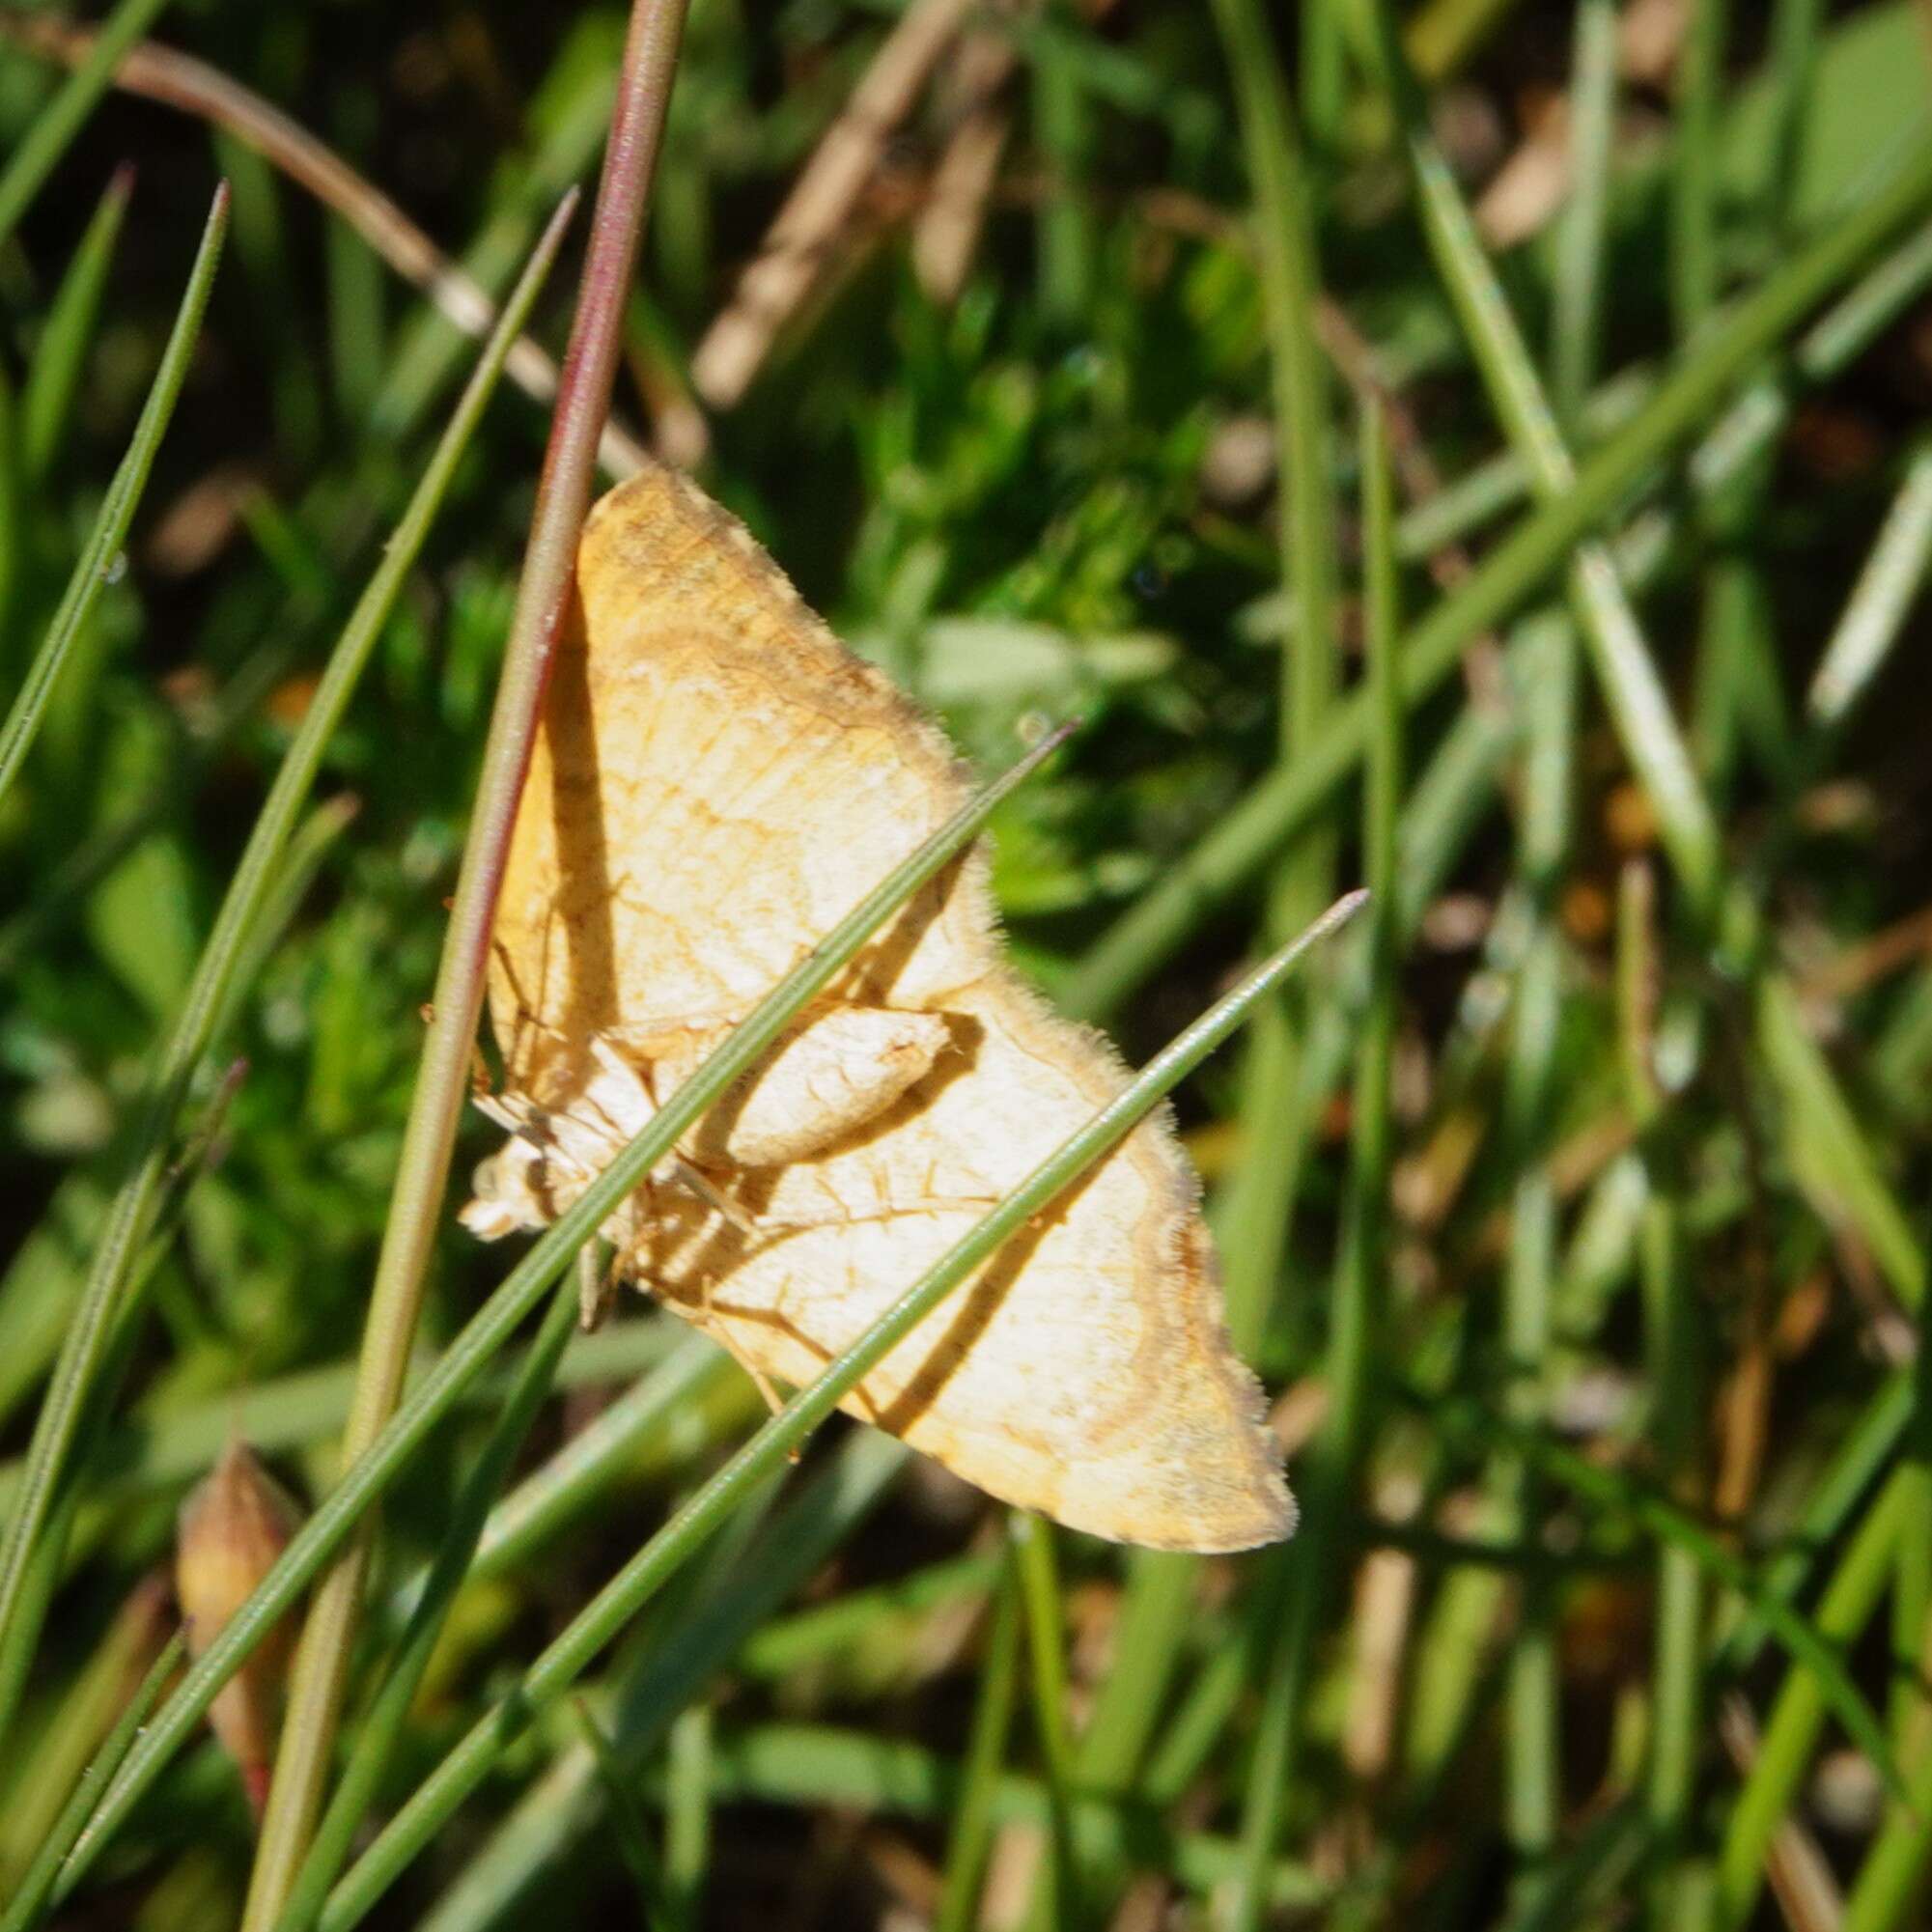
(53, 377)
(1355, 1321)
(1056, 1898)
(1874, 617)
(1577, 296)
(103, 545)
(1695, 167)
(104, 1306)
(31, 1890)
(387, 1712)
(970, 1839)
(53, 130)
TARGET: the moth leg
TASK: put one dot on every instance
(597, 1287)
(713, 1195)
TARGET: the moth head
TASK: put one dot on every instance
(510, 1193)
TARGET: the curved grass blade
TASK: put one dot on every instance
(101, 1310)
(117, 509)
(491, 1327)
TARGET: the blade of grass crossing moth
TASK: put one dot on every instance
(1246, 836)
(1056, 1900)
(382, 1722)
(109, 533)
(53, 377)
(86, 1339)
(1312, 1558)
(554, 1672)
(1874, 617)
(37, 1880)
(491, 1327)
(53, 129)
(319, 1680)
(969, 1840)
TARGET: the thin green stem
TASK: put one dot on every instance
(30, 1893)
(970, 1839)
(1311, 1562)
(96, 567)
(1057, 1904)
(39, 149)
(1694, 173)
(1576, 293)
(389, 1709)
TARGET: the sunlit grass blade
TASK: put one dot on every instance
(104, 1306)
(491, 1327)
(1874, 617)
(561, 1663)
(1784, 1752)
(98, 561)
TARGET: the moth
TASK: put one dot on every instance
(718, 781)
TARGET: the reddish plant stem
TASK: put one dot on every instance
(563, 496)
